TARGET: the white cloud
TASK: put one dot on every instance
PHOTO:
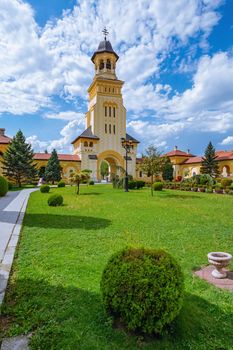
(67, 115)
(63, 144)
(227, 141)
(55, 60)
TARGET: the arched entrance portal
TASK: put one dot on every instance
(115, 164)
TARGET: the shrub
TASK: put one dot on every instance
(3, 186)
(227, 190)
(55, 200)
(45, 189)
(209, 190)
(61, 184)
(144, 288)
(140, 184)
(226, 182)
(91, 183)
(158, 186)
(10, 185)
(132, 185)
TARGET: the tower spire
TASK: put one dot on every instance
(105, 32)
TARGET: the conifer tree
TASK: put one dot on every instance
(167, 170)
(53, 168)
(18, 162)
(209, 163)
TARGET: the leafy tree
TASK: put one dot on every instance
(152, 163)
(104, 169)
(209, 163)
(167, 170)
(79, 177)
(53, 168)
(18, 162)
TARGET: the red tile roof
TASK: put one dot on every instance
(63, 157)
(193, 160)
(177, 152)
(4, 139)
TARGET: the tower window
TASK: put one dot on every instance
(140, 173)
(108, 64)
(85, 144)
(106, 129)
(101, 64)
(114, 112)
(110, 128)
(114, 129)
(110, 111)
(105, 111)
(113, 89)
(91, 144)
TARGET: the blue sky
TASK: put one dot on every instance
(176, 58)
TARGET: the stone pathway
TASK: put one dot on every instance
(12, 210)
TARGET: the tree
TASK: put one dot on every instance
(53, 168)
(18, 161)
(104, 169)
(78, 177)
(167, 169)
(152, 164)
(209, 163)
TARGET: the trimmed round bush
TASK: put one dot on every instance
(61, 184)
(45, 189)
(144, 288)
(3, 186)
(91, 183)
(158, 186)
(55, 200)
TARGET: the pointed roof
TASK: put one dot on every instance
(87, 134)
(104, 46)
(131, 138)
(177, 152)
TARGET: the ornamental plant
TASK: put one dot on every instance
(55, 200)
(45, 189)
(158, 186)
(144, 288)
(226, 182)
(3, 186)
(61, 184)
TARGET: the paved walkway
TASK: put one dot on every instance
(12, 210)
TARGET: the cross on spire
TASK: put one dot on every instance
(105, 32)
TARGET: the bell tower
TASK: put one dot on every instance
(106, 115)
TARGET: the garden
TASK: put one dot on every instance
(56, 287)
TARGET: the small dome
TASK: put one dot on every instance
(104, 46)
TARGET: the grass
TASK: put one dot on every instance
(54, 288)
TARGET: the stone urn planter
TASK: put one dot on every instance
(219, 260)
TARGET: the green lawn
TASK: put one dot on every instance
(54, 288)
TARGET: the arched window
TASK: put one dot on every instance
(108, 64)
(114, 112)
(91, 144)
(101, 64)
(85, 144)
(106, 129)
(114, 129)
(110, 111)
(110, 128)
(105, 111)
